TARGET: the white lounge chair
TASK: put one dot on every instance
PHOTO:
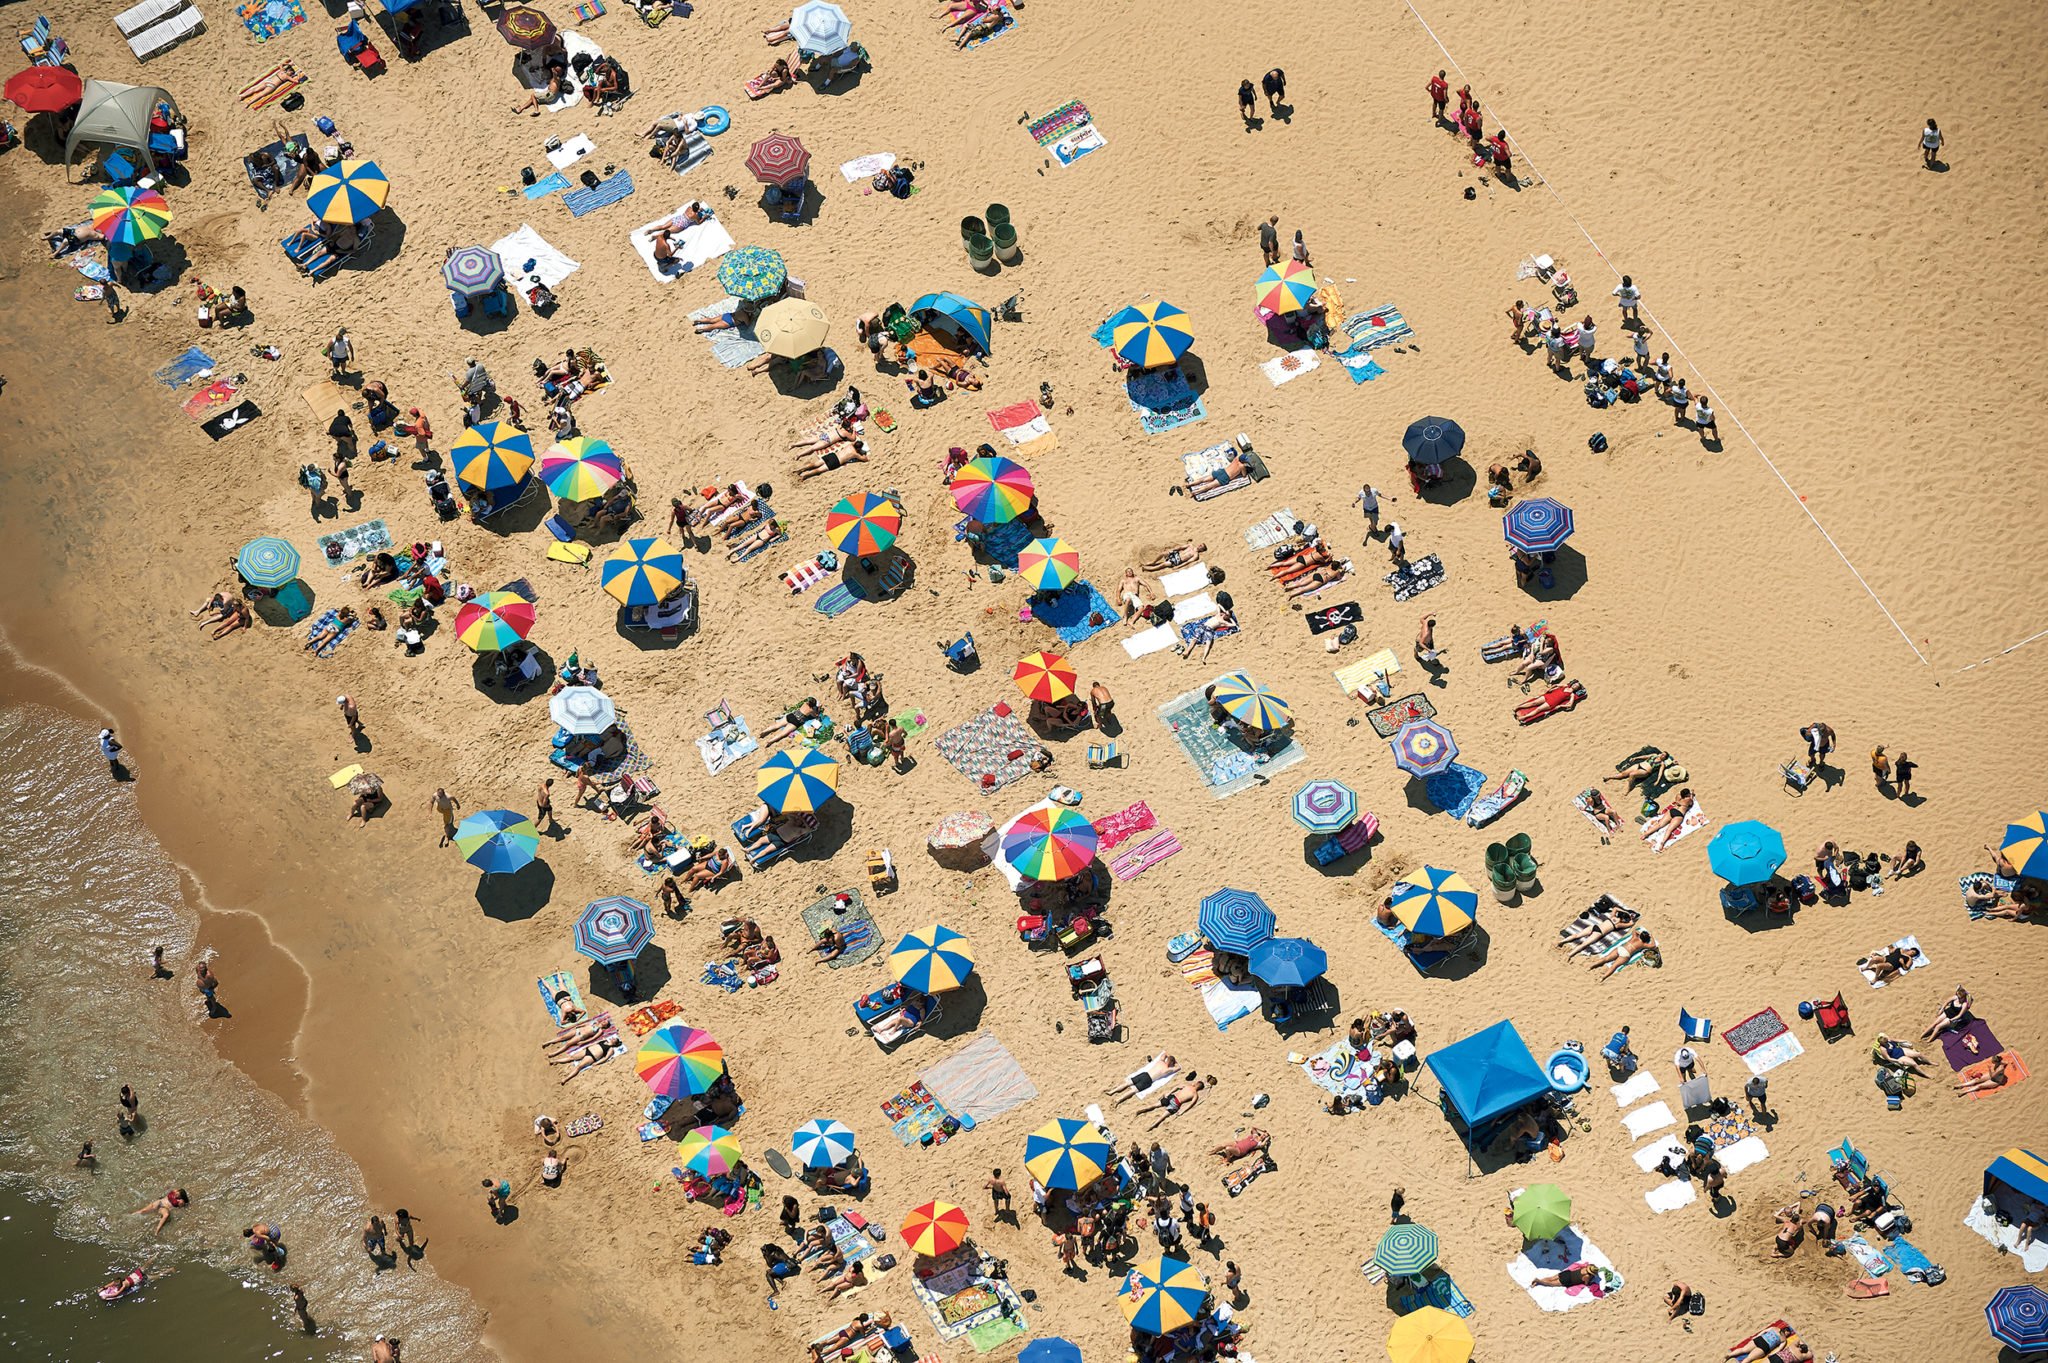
(161, 37)
(149, 12)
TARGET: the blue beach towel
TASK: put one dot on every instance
(1164, 401)
(609, 191)
(734, 348)
(189, 365)
(837, 599)
(1002, 543)
(1906, 1256)
(1068, 612)
(328, 617)
(1454, 789)
(541, 188)
(1101, 334)
(1361, 367)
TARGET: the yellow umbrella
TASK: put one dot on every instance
(792, 327)
(1431, 1335)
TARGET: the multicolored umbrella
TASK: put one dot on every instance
(1050, 844)
(1406, 1249)
(1160, 1295)
(473, 271)
(494, 621)
(822, 1143)
(129, 215)
(497, 840)
(935, 1228)
(491, 455)
(1325, 807)
(1049, 565)
(1285, 287)
(614, 929)
(583, 710)
(2018, 1317)
(993, 491)
(1250, 702)
(268, 562)
(679, 1061)
(640, 572)
(1433, 440)
(797, 784)
(932, 959)
(349, 191)
(2026, 845)
(45, 89)
(1746, 853)
(1430, 1335)
(1234, 920)
(1150, 334)
(581, 467)
(752, 273)
(1287, 962)
(1435, 903)
(820, 28)
(1068, 1154)
(1424, 747)
(1538, 526)
(709, 1150)
(1046, 677)
(950, 311)
(865, 523)
(1543, 1211)
(777, 159)
(526, 28)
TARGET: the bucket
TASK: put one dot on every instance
(970, 228)
(1005, 242)
(1518, 845)
(1524, 869)
(1497, 856)
(998, 216)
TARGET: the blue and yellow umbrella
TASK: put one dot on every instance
(581, 467)
(497, 840)
(798, 783)
(1434, 902)
(2026, 845)
(350, 191)
(491, 455)
(752, 273)
(1249, 701)
(1161, 1295)
(1068, 1154)
(1148, 335)
(267, 562)
(932, 959)
(1049, 565)
(640, 572)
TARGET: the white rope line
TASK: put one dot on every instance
(2009, 648)
(1522, 151)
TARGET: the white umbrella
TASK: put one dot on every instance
(820, 27)
(583, 710)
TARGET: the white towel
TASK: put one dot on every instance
(1918, 961)
(1644, 1120)
(1745, 1152)
(526, 244)
(2034, 1258)
(867, 167)
(1642, 1086)
(527, 67)
(1657, 1151)
(1185, 580)
(1194, 608)
(1669, 1197)
(695, 246)
(1157, 639)
(1695, 1093)
(571, 151)
(1280, 370)
(1545, 1257)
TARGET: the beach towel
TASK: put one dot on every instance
(695, 246)
(1228, 1003)
(1021, 423)
(1078, 613)
(572, 150)
(1361, 367)
(526, 253)
(1339, 1069)
(981, 1079)
(2034, 1257)
(1193, 632)
(1285, 368)
(1182, 581)
(1061, 122)
(803, 577)
(533, 75)
(1003, 1327)
(837, 600)
(2016, 1073)
(1692, 823)
(1669, 1197)
(1387, 719)
(1870, 975)
(1741, 1155)
(914, 1112)
(866, 167)
(606, 191)
(1454, 789)
(271, 86)
(1163, 400)
(233, 419)
(1268, 531)
(266, 19)
(1371, 328)
(1009, 22)
(1112, 829)
(1967, 1045)
(912, 722)
(1422, 575)
(209, 401)
(981, 748)
(649, 1016)
(1224, 767)
(1543, 1258)
(1753, 1031)
(1644, 1120)
(1194, 609)
(1868, 1256)
(1658, 1151)
(559, 983)
(1773, 1053)
(1362, 673)
(1142, 858)
(1326, 618)
(726, 744)
(1157, 639)
(345, 546)
(181, 369)
(552, 183)
(1640, 1085)
(854, 922)
(93, 268)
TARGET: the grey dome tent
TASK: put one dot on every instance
(117, 116)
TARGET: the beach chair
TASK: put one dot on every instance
(41, 46)
(1739, 899)
(134, 21)
(1695, 1029)
(1833, 1016)
(881, 870)
(166, 34)
(357, 50)
(796, 196)
(960, 654)
(1102, 755)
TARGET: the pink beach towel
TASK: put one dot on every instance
(1112, 829)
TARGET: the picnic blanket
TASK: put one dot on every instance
(1021, 423)
(695, 246)
(181, 369)
(1422, 574)
(1163, 400)
(855, 922)
(1543, 1258)
(981, 1079)
(961, 1300)
(982, 748)
(1918, 961)
(914, 1112)
(1077, 613)
(1693, 822)
(1224, 767)
(1453, 789)
(533, 75)
(852, 1242)
(322, 621)
(1361, 367)
(1112, 829)
(606, 191)
(866, 167)
(1965, 1046)
(1285, 368)
(1001, 543)
(1773, 1053)
(1142, 858)
(1387, 720)
(2034, 1257)
(526, 253)
(726, 744)
(1371, 328)
(266, 19)
(345, 546)
(1339, 1069)
(2016, 1072)
(1354, 676)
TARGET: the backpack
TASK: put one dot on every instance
(1597, 443)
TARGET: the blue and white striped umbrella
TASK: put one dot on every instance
(2018, 1317)
(1538, 526)
(1234, 920)
(1424, 747)
(822, 1143)
(820, 28)
(614, 929)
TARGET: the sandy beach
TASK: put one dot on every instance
(1854, 549)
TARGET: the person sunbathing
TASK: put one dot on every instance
(1252, 1142)
(569, 1038)
(215, 608)
(780, 76)
(1598, 924)
(594, 1054)
(1207, 632)
(1178, 1100)
(960, 12)
(924, 389)
(831, 1259)
(961, 375)
(1548, 654)
(904, 1021)
(1310, 556)
(981, 27)
(741, 316)
(844, 452)
(825, 437)
(1316, 581)
(760, 539)
(1638, 943)
(734, 520)
(1156, 1069)
(332, 630)
(853, 1278)
(765, 954)
(1674, 814)
(1995, 1077)
(1897, 1055)
(1175, 558)
(650, 832)
(1640, 772)
(1602, 813)
(1890, 963)
(1954, 1015)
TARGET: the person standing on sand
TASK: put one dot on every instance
(115, 312)
(1274, 83)
(111, 749)
(1586, 333)
(544, 804)
(1247, 102)
(1301, 251)
(1439, 88)
(1631, 300)
(1269, 239)
(1902, 775)
(1930, 152)
(1425, 640)
(443, 803)
(352, 715)
(1880, 766)
(340, 351)
(998, 1192)
(405, 1224)
(498, 1195)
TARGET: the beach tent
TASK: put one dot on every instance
(951, 311)
(1487, 1075)
(2023, 1171)
(114, 115)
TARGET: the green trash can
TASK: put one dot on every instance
(1504, 887)
(980, 251)
(1518, 845)
(970, 228)
(1523, 868)
(1497, 857)
(998, 216)
(1006, 243)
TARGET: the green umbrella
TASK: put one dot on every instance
(1543, 1212)
(1406, 1249)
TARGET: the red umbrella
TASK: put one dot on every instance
(777, 159)
(45, 89)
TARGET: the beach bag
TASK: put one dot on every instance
(1597, 394)
(1597, 443)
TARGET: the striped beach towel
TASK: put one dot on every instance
(1371, 328)
(608, 191)
(1145, 855)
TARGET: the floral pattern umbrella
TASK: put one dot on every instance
(526, 28)
(752, 273)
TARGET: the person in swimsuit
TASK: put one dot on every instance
(844, 452)
(1625, 951)
(1232, 469)
(594, 1054)
(1156, 1069)
(924, 389)
(1253, 1141)
(1822, 1224)
(759, 539)
(1897, 1055)
(1954, 1015)
(1890, 963)
(1995, 1077)
(1174, 558)
(164, 1206)
(571, 1037)
(1674, 814)
(1578, 1275)
(741, 316)
(1180, 1100)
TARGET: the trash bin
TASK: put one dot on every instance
(998, 216)
(980, 251)
(1006, 243)
(970, 228)
(1523, 868)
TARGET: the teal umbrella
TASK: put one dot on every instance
(267, 562)
(753, 273)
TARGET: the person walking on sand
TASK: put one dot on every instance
(1703, 420)
(998, 1192)
(1425, 640)
(1880, 766)
(1274, 83)
(405, 1219)
(1902, 775)
(1368, 499)
(544, 804)
(1518, 321)
(1301, 251)
(111, 749)
(340, 351)
(443, 803)
(1269, 239)
(1247, 102)
(350, 714)
(115, 312)
(1439, 88)
(1930, 145)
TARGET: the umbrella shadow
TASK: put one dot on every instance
(268, 609)
(814, 201)
(835, 827)
(483, 671)
(384, 243)
(518, 895)
(863, 575)
(482, 323)
(1348, 864)
(962, 1013)
(1460, 480)
(522, 516)
(650, 976)
(1567, 574)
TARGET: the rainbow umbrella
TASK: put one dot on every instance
(267, 562)
(1325, 806)
(935, 1228)
(473, 271)
(1049, 565)
(1161, 1295)
(1406, 1249)
(1434, 902)
(1068, 1153)
(777, 159)
(2026, 845)
(1430, 1335)
(351, 191)
(491, 455)
(1424, 747)
(752, 273)
(798, 784)
(822, 1143)
(640, 572)
(1049, 844)
(579, 468)
(1046, 677)
(1148, 335)
(129, 215)
(709, 1150)
(614, 929)
(493, 621)
(497, 840)
(1249, 701)
(865, 523)
(992, 491)
(679, 1061)
(932, 959)
(1285, 287)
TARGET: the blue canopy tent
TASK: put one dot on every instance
(2023, 1171)
(1487, 1076)
(950, 310)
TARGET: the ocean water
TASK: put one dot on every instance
(85, 892)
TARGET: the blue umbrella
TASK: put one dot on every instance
(1234, 920)
(822, 1143)
(970, 317)
(1538, 526)
(497, 840)
(1746, 853)
(1432, 440)
(1053, 1350)
(2018, 1317)
(1288, 962)
(267, 562)
(613, 930)
(1424, 747)
(1325, 806)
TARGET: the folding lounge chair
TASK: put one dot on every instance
(134, 21)
(41, 46)
(1833, 1016)
(794, 211)
(357, 49)
(1695, 1029)
(960, 654)
(166, 34)
(1102, 755)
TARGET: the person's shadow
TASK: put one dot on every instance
(120, 772)
(1283, 111)
(216, 1009)
(362, 741)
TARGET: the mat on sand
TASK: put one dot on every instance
(1455, 788)
(1163, 400)
(913, 1113)
(1968, 1045)
(2016, 1072)
(1753, 1031)
(1669, 1197)
(982, 747)
(1773, 1053)
(527, 253)
(1641, 1085)
(981, 1079)
(854, 922)
(1224, 767)
(1543, 1258)
(1644, 1120)
(1387, 720)
(1076, 614)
